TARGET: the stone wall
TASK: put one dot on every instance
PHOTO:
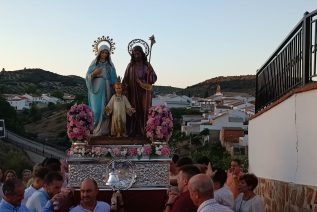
(287, 197)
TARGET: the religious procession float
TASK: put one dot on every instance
(119, 139)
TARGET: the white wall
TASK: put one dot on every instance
(283, 141)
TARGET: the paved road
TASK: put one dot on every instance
(37, 148)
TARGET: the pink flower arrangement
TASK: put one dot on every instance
(115, 152)
(159, 125)
(118, 151)
(132, 151)
(147, 149)
(165, 150)
(80, 123)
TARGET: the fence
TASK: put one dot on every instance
(292, 65)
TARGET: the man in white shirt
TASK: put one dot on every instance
(88, 195)
(223, 194)
(201, 191)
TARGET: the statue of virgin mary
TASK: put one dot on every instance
(100, 77)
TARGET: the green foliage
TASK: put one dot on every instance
(204, 132)
(10, 117)
(165, 89)
(216, 153)
(51, 106)
(31, 89)
(18, 160)
(80, 98)
(57, 94)
(35, 113)
(206, 94)
(177, 136)
(35, 80)
(178, 112)
(242, 84)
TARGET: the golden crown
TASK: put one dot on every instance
(103, 39)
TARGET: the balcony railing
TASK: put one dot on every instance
(292, 65)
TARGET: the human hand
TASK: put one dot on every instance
(133, 110)
(172, 195)
(68, 192)
(57, 201)
(210, 172)
(107, 110)
(97, 72)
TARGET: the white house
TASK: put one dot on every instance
(232, 118)
(50, 99)
(19, 102)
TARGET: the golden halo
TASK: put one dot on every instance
(107, 39)
(135, 42)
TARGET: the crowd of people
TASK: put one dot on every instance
(45, 190)
(194, 187)
(203, 188)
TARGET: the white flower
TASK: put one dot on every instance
(124, 152)
(140, 151)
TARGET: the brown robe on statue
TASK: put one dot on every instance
(139, 93)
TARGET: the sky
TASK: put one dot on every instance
(195, 40)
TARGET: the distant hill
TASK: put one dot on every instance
(39, 81)
(236, 84)
(158, 89)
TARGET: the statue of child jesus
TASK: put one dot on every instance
(119, 105)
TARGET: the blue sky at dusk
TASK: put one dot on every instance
(196, 40)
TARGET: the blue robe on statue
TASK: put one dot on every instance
(100, 91)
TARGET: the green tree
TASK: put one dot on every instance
(216, 153)
(35, 113)
(18, 158)
(57, 94)
(204, 132)
(10, 117)
(80, 98)
(206, 94)
(31, 89)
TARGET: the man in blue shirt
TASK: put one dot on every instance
(13, 191)
(88, 195)
(38, 176)
(42, 200)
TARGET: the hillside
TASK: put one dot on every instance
(51, 128)
(237, 84)
(158, 89)
(40, 81)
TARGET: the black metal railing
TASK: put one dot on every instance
(292, 65)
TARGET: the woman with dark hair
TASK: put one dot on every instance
(100, 78)
(138, 79)
(247, 200)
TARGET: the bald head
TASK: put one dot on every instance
(88, 192)
(203, 185)
(89, 182)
